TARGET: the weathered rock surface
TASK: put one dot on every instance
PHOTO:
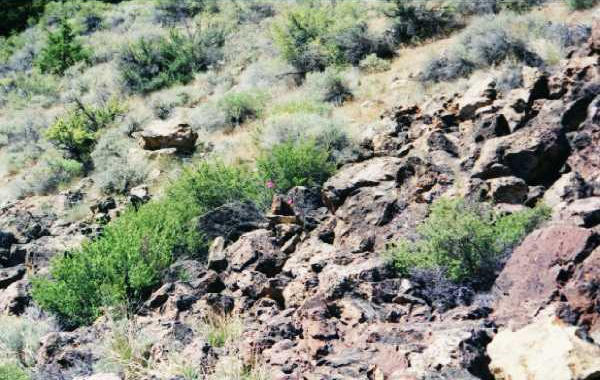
(167, 135)
(545, 349)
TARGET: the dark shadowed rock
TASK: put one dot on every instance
(508, 190)
(231, 220)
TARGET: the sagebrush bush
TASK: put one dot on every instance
(312, 38)
(152, 64)
(241, 106)
(467, 240)
(123, 265)
(413, 22)
(327, 133)
(21, 90)
(486, 42)
(373, 64)
(329, 86)
(20, 338)
(62, 51)
(171, 12)
(50, 172)
(116, 169)
(77, 131)
(292, 164)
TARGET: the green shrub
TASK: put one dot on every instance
(373, 64)
(213, 184)
(413, 22)
(152, 64)
(581, 4)
(62, 50)
(170, 11)
(12, 372)
(312, 38)
(290, 164)
(17, 13)
(120, 267)
(241, 106)
(123, 265)
(329, 86)
(467, 240)
(76, 132)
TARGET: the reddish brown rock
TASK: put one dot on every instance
(583, 294)
(532, 276)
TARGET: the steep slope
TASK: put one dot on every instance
(315, 297)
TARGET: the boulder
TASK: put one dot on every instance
(582, 212)
(479, 95)
(534, 153)
(490, 126)
(256, 251)
(582, 295)
(365, 174)
(166, 135)
(10, 275)
(545, 349)
(15, 298)
(568, 187)
(217, 260)
(532, 275)
(508, 190)
(231, 220)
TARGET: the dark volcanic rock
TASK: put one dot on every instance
(231, 220)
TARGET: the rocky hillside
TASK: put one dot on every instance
(305, 291)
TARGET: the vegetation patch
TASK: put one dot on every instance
(292, 164)
(62, 50)
(467, 241)
(77, 131)
(152, 64)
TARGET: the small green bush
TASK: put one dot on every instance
(170, 12)
(312, 38)
(119, 268)
(466, 239)
(329, 86)
(373, 64)
(581, 4)
(241, 106)
(290, 164)
(123, 265)
(413, 22)
(12, 372)
(62, 50)
(76, 132)
(152, 64)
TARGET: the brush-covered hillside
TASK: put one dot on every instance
(299, 189)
